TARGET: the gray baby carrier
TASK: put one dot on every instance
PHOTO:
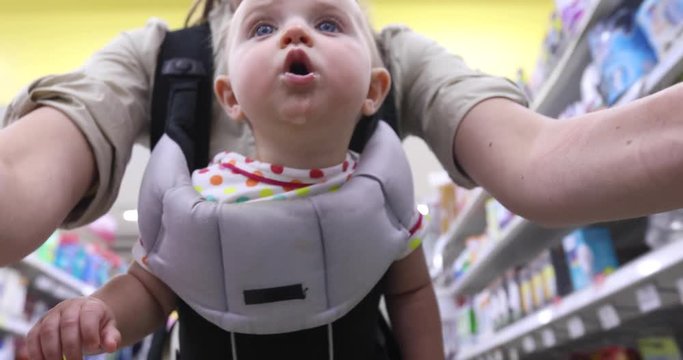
(265, 267)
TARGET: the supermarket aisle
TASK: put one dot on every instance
(510, 289)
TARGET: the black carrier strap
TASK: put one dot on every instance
(182, 95)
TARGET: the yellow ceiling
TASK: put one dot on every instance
(39, 37)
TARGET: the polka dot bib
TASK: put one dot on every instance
(234, 178)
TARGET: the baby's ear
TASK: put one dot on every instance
(380, 82)
(226, 97)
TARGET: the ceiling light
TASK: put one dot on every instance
(130, 215)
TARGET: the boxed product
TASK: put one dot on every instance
(571, 12)
(664, 228)
(13, 293)
(659, 348)
(514, 295)
(563, 281)
(497, 219)
(7, 348)
(590, 253)
(662, 23)
(622, 53)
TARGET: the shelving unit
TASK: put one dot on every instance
(652, 282)
(645, 292)
(551, 99)
(662, 75)
(522, 234)
(34, 267)
(13, 326)
(470, 221)
(520, 242)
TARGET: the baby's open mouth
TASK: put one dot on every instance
(298, 68)
(298, 63)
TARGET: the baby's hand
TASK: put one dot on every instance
(72, 329)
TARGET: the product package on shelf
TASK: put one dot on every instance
(662, 23)
(591, 99)
(564, 25)
(659, 348)
(590, 255)
(621, 52)
(664, 228)
(571, 12)
(475, 248)
(12, 293)
(497, 219)
(88, 261)
(614, 352)
(7, 348)
(450, 199)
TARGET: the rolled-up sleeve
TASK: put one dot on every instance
(108, 98)
(434, 90)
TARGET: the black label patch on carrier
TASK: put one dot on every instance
(275, 294)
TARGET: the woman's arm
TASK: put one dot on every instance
(412, 308)
(621, 162)
(46, 167)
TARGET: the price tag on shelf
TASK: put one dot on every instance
(548, 338)
(608, 316)
(529, 344)
(513, 354)
(648, 298)
(575, 327)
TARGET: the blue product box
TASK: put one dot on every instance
(590, 254)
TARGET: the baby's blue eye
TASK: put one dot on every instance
(264, 29)
(328, 26)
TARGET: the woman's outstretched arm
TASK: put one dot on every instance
(46, 168)
(621, 162)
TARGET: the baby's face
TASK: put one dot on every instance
(297, 60)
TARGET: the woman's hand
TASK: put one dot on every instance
(73, 328)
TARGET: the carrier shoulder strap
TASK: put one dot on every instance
(182, 94)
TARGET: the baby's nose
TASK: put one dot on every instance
(296, 34)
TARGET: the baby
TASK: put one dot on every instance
(301, 73)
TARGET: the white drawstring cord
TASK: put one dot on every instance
(233, 345)
(330, 341)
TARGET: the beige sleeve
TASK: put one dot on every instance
(108, 98)
(434, 90)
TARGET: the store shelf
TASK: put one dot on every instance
(664, 74)
(520, 242)
(13, 326)
(552, 97)
(648, 284)
(470, 221)
(32, 263)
